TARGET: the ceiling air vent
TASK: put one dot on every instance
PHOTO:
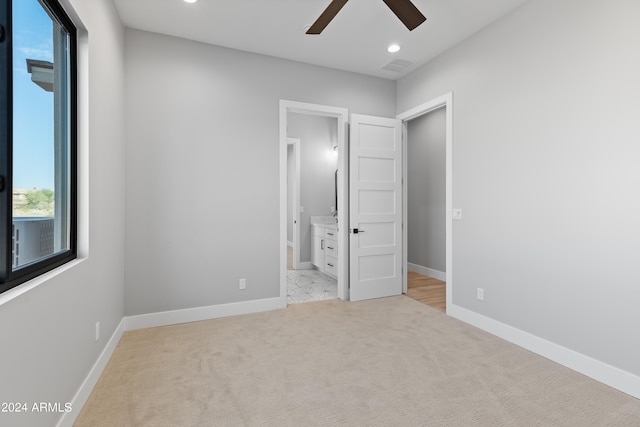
(398, 65)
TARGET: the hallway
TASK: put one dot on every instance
(427, 290)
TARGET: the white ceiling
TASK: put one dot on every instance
(356, 40)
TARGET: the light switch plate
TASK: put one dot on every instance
(457, 213)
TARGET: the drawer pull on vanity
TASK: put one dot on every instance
(325, 247)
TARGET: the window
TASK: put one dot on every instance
(37, 139)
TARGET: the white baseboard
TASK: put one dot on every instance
(436, 274)
(174, 317)
(599, 371)
(68, 418)
(305, 265)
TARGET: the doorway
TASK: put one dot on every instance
(439, 247)
(313, 277)
(426, 209)
(334, 147)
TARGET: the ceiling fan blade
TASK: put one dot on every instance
(406, 11)
(329, 13)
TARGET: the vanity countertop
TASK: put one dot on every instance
(323, 220)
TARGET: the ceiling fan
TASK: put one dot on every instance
(404, 10)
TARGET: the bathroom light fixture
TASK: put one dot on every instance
(393, 48)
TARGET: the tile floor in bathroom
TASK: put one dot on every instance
(310, 285)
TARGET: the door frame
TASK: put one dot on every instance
(342, 116)
(445, 101)
(295, 203)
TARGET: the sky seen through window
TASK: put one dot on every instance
(33, 108)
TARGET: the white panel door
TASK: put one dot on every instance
(375, 210)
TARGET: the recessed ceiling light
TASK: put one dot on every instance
(393, 48)
(190, 1)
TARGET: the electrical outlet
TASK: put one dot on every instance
(480, 294)
(242, 283)
(97, 331)
(457, 213)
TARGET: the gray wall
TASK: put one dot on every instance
(47, 333)
(318, 164)
(202, 198)
(426, 195)
(546, 155)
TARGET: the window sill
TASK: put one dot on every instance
(25, 287)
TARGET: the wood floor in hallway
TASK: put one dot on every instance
(427, 290)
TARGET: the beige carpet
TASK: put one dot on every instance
(386, 362)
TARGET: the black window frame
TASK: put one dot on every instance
(9, 278)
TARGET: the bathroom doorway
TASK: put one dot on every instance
(312, 276)
(320, 131)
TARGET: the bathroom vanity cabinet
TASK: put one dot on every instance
(324, 249)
